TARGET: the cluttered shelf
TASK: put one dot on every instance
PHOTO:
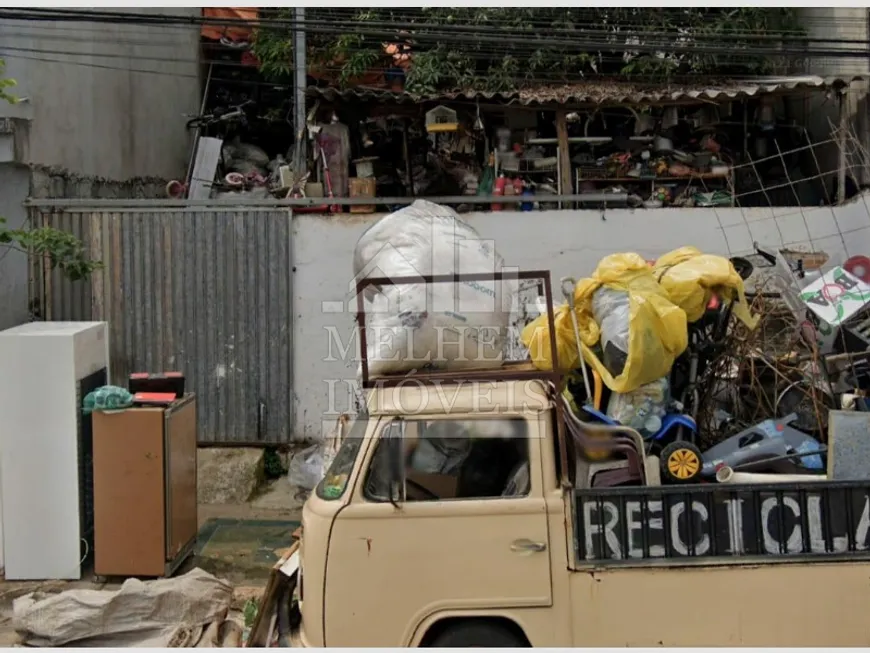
(698, 175)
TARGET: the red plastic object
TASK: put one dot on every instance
(154, 398)
(498, 189)
(858, 266)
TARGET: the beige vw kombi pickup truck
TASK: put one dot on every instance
(402, 546)
(473, 510)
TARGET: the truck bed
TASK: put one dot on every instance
(508, 371)
(731, 524)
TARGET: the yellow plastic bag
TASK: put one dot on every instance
(690, 277)
(657, 328)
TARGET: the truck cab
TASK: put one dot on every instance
(457, 512)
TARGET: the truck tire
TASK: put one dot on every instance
(472, 634)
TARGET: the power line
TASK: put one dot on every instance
(526, 79)
(485, 55)
(691, 46)
(493, 26)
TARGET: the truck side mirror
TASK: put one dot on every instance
(396, 454)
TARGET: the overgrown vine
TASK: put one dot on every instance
(442, 63)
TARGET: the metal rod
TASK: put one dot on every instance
(198, 129)
(805, 454)
(568, 287)
(86, 205)
(841, 172)
(301, 68)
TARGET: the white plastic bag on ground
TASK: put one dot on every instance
(307, 467)
(442, 325)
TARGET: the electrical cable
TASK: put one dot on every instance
(491, 27)
(481, 52)
(448, 37)
(537, 79)
(480, 56)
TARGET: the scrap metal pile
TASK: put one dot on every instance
(721, 366)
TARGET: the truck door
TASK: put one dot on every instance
(449, 515)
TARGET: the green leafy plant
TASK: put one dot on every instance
(273, 466)
(61, 249)
(6, 83)
(249, 611)
(440, 64)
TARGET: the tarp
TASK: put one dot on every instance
(231, 32)
(169, 612)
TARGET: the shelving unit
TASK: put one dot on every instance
(553, 171)
(653, 181)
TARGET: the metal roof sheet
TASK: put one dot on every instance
(605, 92)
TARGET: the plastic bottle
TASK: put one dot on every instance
(528, 206)
(498, 190)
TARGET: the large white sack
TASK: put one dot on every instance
(442, 325)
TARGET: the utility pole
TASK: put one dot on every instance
(299, 59)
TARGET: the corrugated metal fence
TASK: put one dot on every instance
(203, 290)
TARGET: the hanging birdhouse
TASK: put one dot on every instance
(441, 119)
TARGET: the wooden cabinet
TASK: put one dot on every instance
(145, 519)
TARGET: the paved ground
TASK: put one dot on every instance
(276, 501)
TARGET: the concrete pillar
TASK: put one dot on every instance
(838, 24)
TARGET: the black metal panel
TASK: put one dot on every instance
(86, 459)
(735, 523)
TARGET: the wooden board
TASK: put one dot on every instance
(362, 187)
(129, 512)
(258, 638)
(208, 155)
(181, 473)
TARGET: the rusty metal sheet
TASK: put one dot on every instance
(205, 292)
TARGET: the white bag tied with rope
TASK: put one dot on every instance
(444, 325)
(168, 612)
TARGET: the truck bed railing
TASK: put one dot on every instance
(728, 523)
(507, 372)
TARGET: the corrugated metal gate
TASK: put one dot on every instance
(203, 290)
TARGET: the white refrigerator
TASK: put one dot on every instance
(46, 368)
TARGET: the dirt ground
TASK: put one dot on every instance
(278, 501)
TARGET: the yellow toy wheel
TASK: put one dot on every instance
(681, 462)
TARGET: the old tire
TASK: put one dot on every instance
(681, 463)
(472, 634)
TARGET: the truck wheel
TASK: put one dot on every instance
(473, 634)
(681, 463)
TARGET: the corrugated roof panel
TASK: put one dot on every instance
(602, 92)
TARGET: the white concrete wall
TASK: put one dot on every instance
(564, 242)
(14, 186)
(100, 100)
(105, 99)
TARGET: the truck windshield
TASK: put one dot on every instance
(334, 483)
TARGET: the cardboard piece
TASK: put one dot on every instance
(848, 445)
(441, 485)
(836, 296)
